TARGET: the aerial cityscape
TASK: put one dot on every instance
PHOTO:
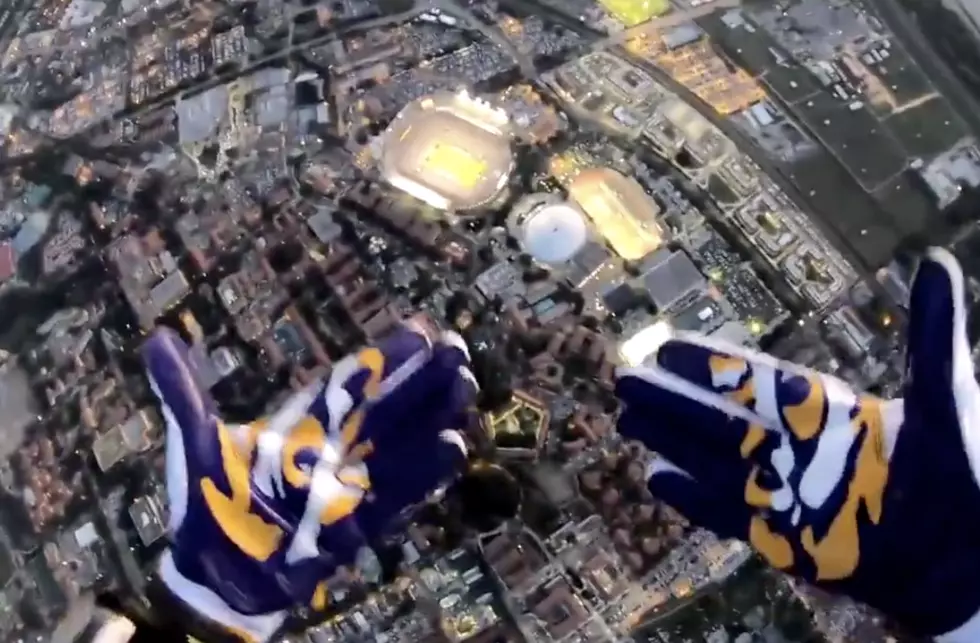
(562, 181)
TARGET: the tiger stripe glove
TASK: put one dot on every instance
(878, 500)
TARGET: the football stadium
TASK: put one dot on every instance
(451, 151)
(619, 208)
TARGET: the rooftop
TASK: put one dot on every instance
(671, 278)
(554, 233)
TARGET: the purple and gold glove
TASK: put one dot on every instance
(875, 499)
(262, 514)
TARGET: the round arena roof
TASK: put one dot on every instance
(554, 233)
(451, 151)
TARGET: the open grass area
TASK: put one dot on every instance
(635, 12)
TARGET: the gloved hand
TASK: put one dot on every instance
(377, 404)
(261, 514)
(875, 499)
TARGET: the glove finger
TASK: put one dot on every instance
(389, 368)
(718, 509)
(436, 370)
(453, 406)
(444, 387)
(953, 601)
(687, 449)
(400, 369)
(709, 423)
(186, 406)
(708, 376)
(702, 505)
(379, 386)
(452, 357)
(939, 365)
(779, 395)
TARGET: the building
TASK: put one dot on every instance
(62, 248)
(219, 226)
(31, 233)
(324, 226)
(81, 13)
(641, 529)
(670, 278)
(149, 518)
(291, 341)
(515, 558)
(132, 436)
(635, 12)
(604, 574)
(451, 151)
(560, 611)
(946, 174)
(148, 274)
(252, 296)
(225, 361)
(88, 109)
(49, 488)
(549, 229)
(520, 429)
(620, 209)
(358, 293)
(581, 344)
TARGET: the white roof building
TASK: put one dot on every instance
(554, 233)
(549, 229)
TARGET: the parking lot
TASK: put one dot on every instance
(910, 208)
(855, 137)
(751, 51)
(901, 77)
(843, 207)
(926, 129)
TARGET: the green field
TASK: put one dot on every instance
(635, 12)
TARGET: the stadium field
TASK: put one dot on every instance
(453, 162)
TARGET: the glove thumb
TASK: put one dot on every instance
(940, 385)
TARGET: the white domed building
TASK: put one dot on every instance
(548, 228)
